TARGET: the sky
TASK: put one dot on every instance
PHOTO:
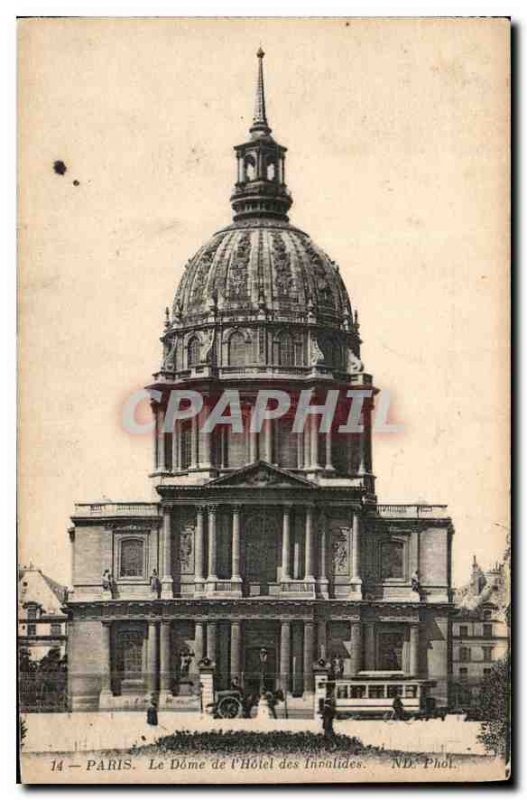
(397, 136)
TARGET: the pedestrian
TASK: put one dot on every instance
(151, 712)
(328, 715)
(398, 707)
(271, 703)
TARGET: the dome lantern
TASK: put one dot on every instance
(260, 189)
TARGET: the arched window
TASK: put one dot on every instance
(332, 352)
(185, 433)
(132, 558)
(271, 171)
(237, 350)
(249, 165)
(193, 352)
(286, 350)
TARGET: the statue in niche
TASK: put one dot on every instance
(186, 542)
(208, 346)
(340, 550)
(155, 583)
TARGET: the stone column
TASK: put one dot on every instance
(369, 645)
(356, 648)
(322, 637)
(322, 568)
(286, 543)
(313, 423)
(299, 450)
(106, 677)
(167, 589)
(355, 555)
(193, 443)
(199, 577)
(211, 641)
(151, 659)
(329, 452)
(309, 576)
(198, 642)
(164, 657)
(268, 441)
(212, 545)
(236, 642)
(309, 655)
(175, 447)
(285, 655)
(161, 440)
(204, 454)
(235, 571)
(414, 649)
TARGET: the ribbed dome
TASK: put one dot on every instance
(262, 265)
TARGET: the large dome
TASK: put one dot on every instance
(260, 265)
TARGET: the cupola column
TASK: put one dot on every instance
(322, 574)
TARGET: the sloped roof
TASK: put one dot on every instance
(36, 587)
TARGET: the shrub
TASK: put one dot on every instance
(494, 707)
(241, 742)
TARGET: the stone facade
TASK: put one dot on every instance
(271, 539)
(480, 631)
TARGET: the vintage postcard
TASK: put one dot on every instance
(263, 400)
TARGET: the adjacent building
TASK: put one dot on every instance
(271, 541)
(41, 616)
(480, 631)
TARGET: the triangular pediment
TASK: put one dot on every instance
(260, 475)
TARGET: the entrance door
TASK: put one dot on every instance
(260, 553)
(258, 672)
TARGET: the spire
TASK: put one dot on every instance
(260, 126)
(260, 189)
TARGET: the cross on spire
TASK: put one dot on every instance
(260, 126)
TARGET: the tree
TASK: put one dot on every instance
(494, 705)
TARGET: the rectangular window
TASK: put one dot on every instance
(55, 629)
(342, 692)
(487, 670)
(130, 653)
(463, 630)
(357, 692)
(487, 630)
(390, 651)
(392, 560)
(31, 629)
(395, 691)
(487, 653)
(463, 671)
(132, 558)
(376, 692)
(464, 653)
(410, 691)
(31, 612)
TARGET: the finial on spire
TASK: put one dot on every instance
(260, 126)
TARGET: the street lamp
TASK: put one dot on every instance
(263, 662)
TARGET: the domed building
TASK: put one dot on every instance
(266, 558)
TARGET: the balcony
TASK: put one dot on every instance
(414, 511)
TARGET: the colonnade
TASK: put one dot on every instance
(315, 542)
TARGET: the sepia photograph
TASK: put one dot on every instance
(263, 400)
